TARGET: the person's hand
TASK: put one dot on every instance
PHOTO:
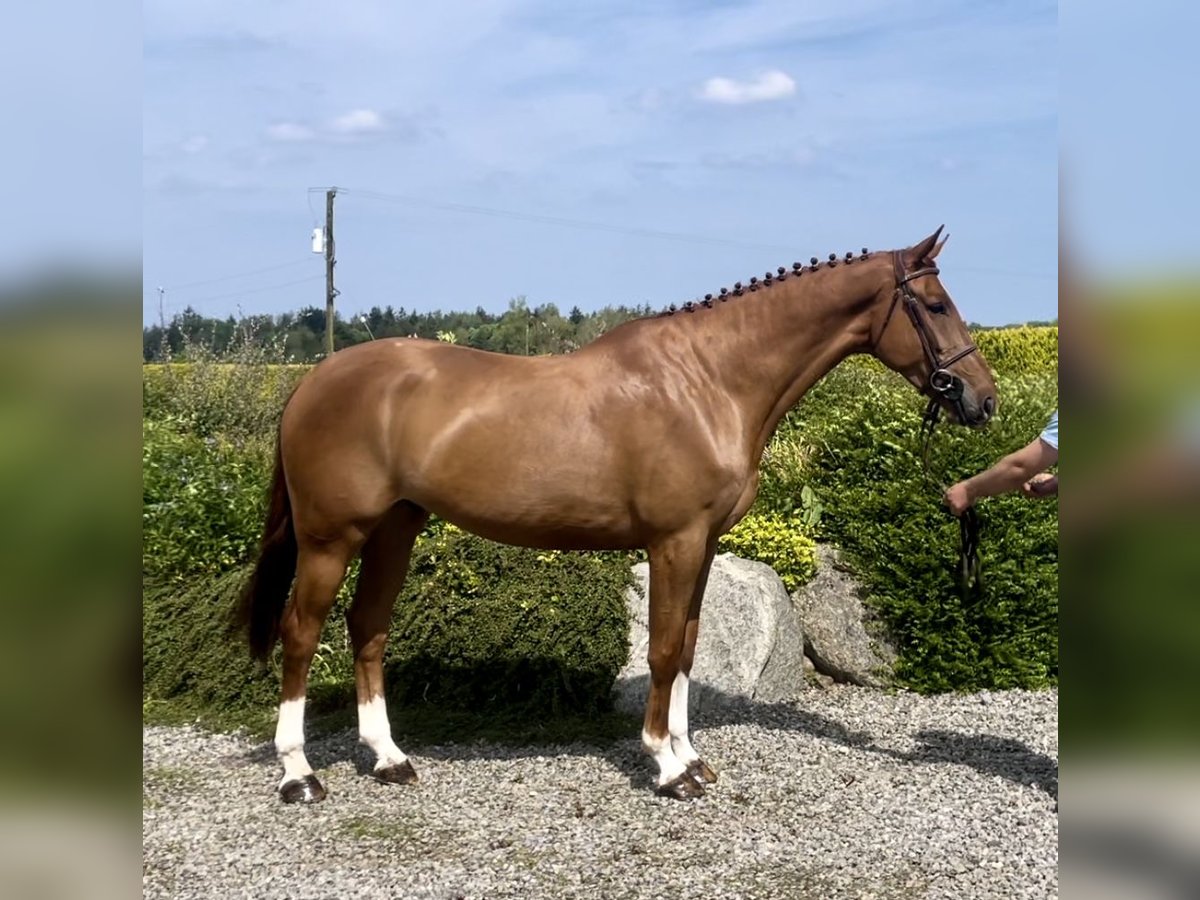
(1041, 486)
(957, 498)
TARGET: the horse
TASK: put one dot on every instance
(648, 438)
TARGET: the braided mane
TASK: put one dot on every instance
(769, 279)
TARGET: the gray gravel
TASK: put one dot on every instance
(843, 793)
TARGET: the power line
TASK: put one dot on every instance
(621, 229)
(236, 275)
(259, 290)
(559, 220)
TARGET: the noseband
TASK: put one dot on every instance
(945, 385)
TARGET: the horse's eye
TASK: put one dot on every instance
(938, 308)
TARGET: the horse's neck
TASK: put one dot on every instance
(778, 342)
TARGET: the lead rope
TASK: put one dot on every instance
(970, 585)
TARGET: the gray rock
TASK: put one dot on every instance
(842, 638)
(751, 646)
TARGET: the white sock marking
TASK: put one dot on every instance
(289, 740)
(669, 766)
(375, 731)
(677, 721)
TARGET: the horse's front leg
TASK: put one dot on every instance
(677, 566)
(681, 744)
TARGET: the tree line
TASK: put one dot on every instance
(521, 329)
(300, 336)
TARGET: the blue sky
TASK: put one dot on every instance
(780, 130)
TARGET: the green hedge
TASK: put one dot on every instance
(211, 398)
(195, 669)
(779, 541)
(202, 500)
(481, 626)
(853, 441)
(1020, 351)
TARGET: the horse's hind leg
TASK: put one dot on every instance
(384, 565)
(320, 568)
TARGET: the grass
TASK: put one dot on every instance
(409, 836)
(160, 780)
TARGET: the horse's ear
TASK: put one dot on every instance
(914, 256)
(933, 254)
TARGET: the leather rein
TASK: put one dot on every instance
(945, 385)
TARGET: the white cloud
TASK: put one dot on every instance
(354, 124)
(772, 85)
(357, 121)
(290, 131)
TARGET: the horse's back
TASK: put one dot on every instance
(479, 438)
(567, 451)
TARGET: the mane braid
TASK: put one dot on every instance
(769, 279)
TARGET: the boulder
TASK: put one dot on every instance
(841, 637)
(750, 644)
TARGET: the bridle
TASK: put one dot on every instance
(945, 385)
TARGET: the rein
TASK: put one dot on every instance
(945, 385)
(970, 582)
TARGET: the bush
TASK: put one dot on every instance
(862, 458)
(482, 626)
(195, 668)
(238, 394)
(202, 500)
(777, 540)
(1020, 351)
(479, 627)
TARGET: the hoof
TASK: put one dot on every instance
(302, 790)
(399, 773)
(701, 772)
(681, 787)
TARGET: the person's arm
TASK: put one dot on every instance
(1008, 474)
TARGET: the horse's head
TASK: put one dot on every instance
(928, 343)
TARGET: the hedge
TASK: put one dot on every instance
(479, 626)
(483, 626)
(218, 398)
(211, 398)
(1025, 350)
(202, 500)
(859, 454)
(779, 541)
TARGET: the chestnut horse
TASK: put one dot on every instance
(649, 437)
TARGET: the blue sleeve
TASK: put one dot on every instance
(1050, 432)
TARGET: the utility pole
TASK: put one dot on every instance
(162, 322)
(330, 262)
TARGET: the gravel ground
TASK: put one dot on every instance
(843, 793)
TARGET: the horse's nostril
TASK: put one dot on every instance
(989, 406)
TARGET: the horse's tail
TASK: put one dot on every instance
(265, 594)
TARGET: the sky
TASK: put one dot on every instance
(592, 154)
